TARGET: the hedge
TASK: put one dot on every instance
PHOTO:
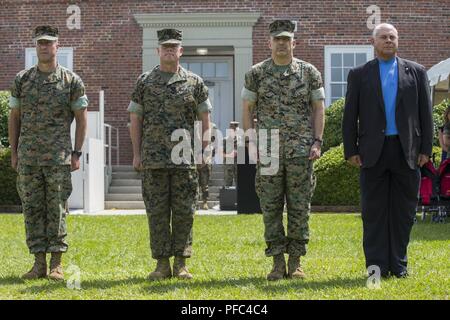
(332, 134)
(337, 182)
(8, 191)
(4, 112)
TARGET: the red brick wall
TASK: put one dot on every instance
(108, 53)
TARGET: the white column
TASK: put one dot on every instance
(243, 61)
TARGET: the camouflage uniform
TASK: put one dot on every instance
(204, 172)
(168, 102)
(47, 103)
(230, 170)
(283, 101)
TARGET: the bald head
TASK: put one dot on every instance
(383, 26)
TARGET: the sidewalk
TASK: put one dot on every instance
(215, 211)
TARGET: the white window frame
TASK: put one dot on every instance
(62, 51)
(341, 49)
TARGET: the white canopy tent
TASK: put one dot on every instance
(438, 76)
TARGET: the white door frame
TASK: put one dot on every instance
(205, 30)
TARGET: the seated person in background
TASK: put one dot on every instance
(446, 138)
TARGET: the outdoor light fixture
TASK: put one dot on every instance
(202, 51)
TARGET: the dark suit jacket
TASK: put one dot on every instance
(364, 122)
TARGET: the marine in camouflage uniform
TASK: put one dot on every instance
(230, 170)
(282, 97)
(45, 105)
(161, 103)
(204, 173)
(204, 170)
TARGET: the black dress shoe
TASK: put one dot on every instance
(403, 274)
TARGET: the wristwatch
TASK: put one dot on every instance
(77, 153)
(318, 140)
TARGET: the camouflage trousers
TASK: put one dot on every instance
(170, 197)
(295, 183)
(44, 191)
(230, 173)
(204, 172)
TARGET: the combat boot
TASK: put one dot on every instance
(295, 271)
(279, 268)
(180, 270)
(205, 205)
(162, 270)
(39, 269)
(56, 269)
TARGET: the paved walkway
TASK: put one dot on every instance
(215, 211)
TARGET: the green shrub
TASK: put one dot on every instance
(8, 191)
(4, 112)
(337, 181)
(438, 118)
(437, 152)
(332, 134)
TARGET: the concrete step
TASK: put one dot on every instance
(214, 189)
(216, 182)
(128, 168)
(123, 169)
(124, 197)
(218, 168)
(134, 175)
(141, 205)
(126, 182)
(125, 189)
(138, 197)
(124, 205)
(125, 175)
(216, 175)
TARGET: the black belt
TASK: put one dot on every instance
(392, 137)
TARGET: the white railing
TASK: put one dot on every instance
(109, 147)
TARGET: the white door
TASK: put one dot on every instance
(217, 72)
(94, 191)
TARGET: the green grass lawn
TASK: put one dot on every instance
(113, 256)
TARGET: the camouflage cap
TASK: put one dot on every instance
(282, 28)
(46, 33)
(169, 36)
(234, 123)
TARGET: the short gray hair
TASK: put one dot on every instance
(382, 25)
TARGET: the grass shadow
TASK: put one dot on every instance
(8, 280)
(164, 286)
(259, 283)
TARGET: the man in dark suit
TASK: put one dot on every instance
(387, 130)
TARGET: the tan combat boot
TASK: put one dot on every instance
(295, 271)
(56, 270)
(162, 270)
(279, 268)
(39, 269)
(205, 205)
(180, 270)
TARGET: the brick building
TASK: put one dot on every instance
(109, 43)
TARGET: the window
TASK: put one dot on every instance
(339, 60)
(208, 69)
(64, 56)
